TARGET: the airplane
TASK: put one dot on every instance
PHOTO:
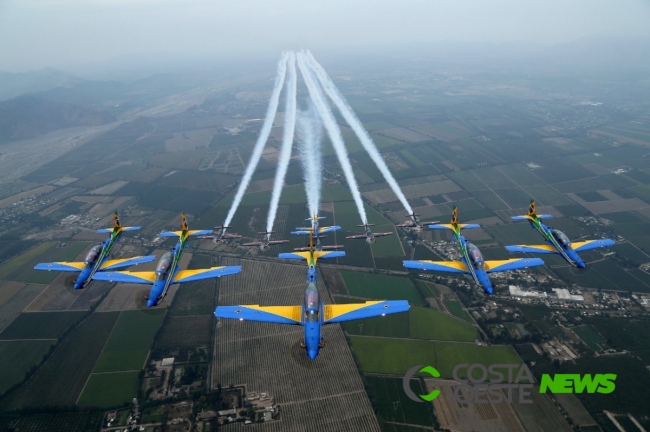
(219, 234)
(266, 241)
(315, 230)
(97, 258)
(312, 314)
(369, 235)
(415, 222)
(556, 241)
(472, 261)
(167, 271)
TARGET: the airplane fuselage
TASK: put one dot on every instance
(312, 320)
(95, 258)
(559, 241)
(165, 272)
(370, 237)
(473, 259)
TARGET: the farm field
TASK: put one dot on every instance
(17, 357)
(70, 422)
(63, 376)
(129, 342)
(394, 405)
(381, 287)
(347, 217)
(417, 323)
(106, 390)
(589, 335)
(21, 268)
(18, 302)
(396, 356)
(43, 325)
(195, 298)
(456, 309)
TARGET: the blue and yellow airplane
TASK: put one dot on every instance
(556, 241)
(312, 314)
(167, 271)
(97, 258)
(316, 231)
(472, 261)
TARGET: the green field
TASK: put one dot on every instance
(17, 357)
(382, 287)
(396, 356)
(417, 323)
(68, 422)
(456, 309)
(130, 340)
(294, 194)
(394, 405)
(589, 335)
(14, 264)
(41, 325)
(109, 389)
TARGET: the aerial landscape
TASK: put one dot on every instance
(457, 210)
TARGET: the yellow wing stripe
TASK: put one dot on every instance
(334, 311)
(577, 245)
(488, 265)
(115, 261)
(182, 274)
(289, 312)
(541, 246)
(76, 264)
(453, 264)
(147, 275)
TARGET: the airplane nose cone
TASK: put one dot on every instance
(312, 353)
(78, 285)
(151, 303)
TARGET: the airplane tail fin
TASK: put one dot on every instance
(116, 221)
(532, 213)
(184, 225)
(454, 215)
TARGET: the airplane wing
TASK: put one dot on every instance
(271, 314)
(274, 242)
(141, 277)
(591, 244)
(540, 249)
(441, 266)
(348, 312)
(317, 255)
(511, 264)
(382, 234)
(199, 274)
(405, 225)
(357, 236)
(61, 266)
(231, 236)
(117, 263)
(110, 230)
(451, 227)
(323, 230)
(252, 244)
(179, 233)
(525, 217)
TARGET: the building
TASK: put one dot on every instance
(515, 291)
(564, 294)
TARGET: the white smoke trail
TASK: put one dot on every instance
(287, 142)
(310, 134)
(357, 127)
(261, 140)
(333, 131)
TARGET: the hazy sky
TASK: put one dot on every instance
(76, 33)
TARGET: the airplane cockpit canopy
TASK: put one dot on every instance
(163, 265)
(92, 256)
(475, 255)
(561, 237)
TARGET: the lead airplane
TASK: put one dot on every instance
(471, 261)
(369, 236)
(556, 241)
(316, 232)
(415, 224)
(97, 258)
(167, 271)
(312, 314)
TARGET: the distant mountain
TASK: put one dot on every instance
(16, 84)
(26, 117)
